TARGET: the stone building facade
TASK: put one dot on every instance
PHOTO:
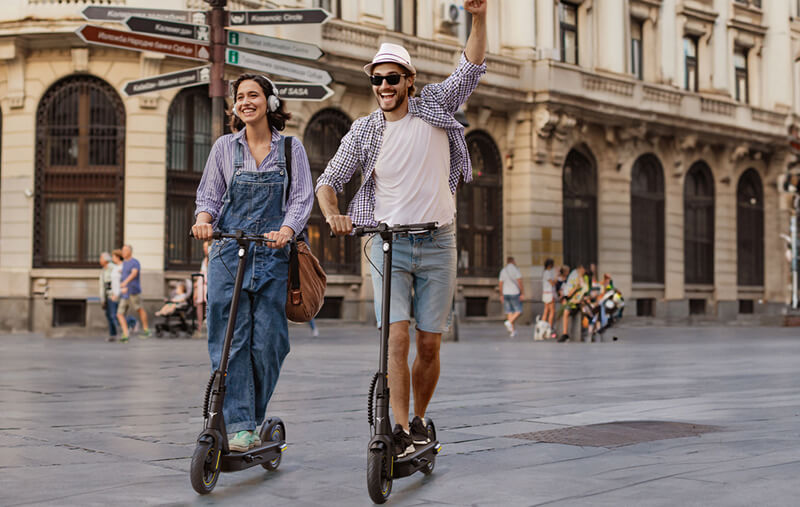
(647, 136)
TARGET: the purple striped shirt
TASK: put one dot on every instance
(219, 171)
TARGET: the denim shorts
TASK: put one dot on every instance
(512, 303)
(423, 274)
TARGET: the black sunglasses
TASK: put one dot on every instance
(392, 79)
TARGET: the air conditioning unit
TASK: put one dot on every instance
(451, 14)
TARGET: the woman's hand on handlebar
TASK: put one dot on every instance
(280, 238)
(203, 227)
(341, 225)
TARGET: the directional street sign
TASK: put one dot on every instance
(97, 13)
(279, 17)
(303, 91)
(272, 45)
(273, 66)
(188, 77)
(168, 28)
(129, 40)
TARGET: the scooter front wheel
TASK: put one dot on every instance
(379, 479)
(204, 470)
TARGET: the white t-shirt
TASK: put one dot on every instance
(547, 276)
(509, 276)
(411, 174)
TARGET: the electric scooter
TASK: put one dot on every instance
(382, 465)
(212, 455)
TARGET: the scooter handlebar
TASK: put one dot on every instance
(238, 235)
(382, 227)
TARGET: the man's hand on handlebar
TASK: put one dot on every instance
(341, 225)
(280, 238)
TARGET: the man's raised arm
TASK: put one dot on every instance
(475, 49)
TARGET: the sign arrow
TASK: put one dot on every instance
(138, 42)
(279, 17)
(188, 77)
(168, 28)
(273, 66)
(98, 13)
(273, 45)
(303, 91)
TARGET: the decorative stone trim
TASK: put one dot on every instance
(350, 34)
(607, 84)
(709, 105)
(653, 94)
(767, 116)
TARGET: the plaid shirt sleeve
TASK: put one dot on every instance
(456, 89)
(344, 164)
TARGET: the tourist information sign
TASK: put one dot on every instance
(279, 17)
(303, 91)
(273, 45)
(98, 13)
(273, 66)
(129, 40)
(199, 33)
(179, 79)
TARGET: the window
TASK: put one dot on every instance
(740, 67)
(750, 229)
(188, 145)
(636, 48)
(480, 210)
(690, 64)
(698, 225)
(568, 21)
(80, 138)
(580, 209)
(321, 139)
(647, 220)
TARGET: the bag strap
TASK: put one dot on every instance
(294, 261)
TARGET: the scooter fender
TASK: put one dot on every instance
(212, 436)
(380, 443)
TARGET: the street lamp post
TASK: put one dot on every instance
(217, 88)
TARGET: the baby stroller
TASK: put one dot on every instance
(181, 316)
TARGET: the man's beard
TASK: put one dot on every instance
(399, 99)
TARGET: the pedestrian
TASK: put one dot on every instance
(314, 330)
(574, 289)
(548, 292)
(106, 296)
(510, 286)
(411, 154)
(116, 293)
(244, 187)
(131, 293)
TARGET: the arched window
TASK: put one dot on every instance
(647, 220)
(80, 142)
(321, 139)
(480, 210)
(698, 225)
(750, 229)
(580, 209)
(188, 145)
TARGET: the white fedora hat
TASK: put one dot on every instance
(391, 53)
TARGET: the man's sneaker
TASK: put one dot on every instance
(111, 339)
(403, 443)
(419, 433)
(146, 334)
(244, 441)
(508, 326)
(124, 339)
(564, 337)
(513, 333)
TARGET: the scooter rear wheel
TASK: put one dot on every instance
(379, 480)
(276, 433)
(204, 470)
(428, 469)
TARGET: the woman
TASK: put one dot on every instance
(244, 186)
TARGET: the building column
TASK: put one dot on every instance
(519, 28)
(777, 57)
(722, 50)
(546, 23)
(612, 30)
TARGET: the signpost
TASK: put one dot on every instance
(139, 42)
(168, 28)
(303, 91)
(273, 45)
(273, 66)
(97, 13)
(279, 17)
(188, 77)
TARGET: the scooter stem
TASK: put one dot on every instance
(382, 406)
(237, 289)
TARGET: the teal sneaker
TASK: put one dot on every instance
(243, 441)
(146, 334)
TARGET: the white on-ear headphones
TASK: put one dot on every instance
(273, 101)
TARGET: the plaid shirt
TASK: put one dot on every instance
(360, 147)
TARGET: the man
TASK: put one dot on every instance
(131, 289)
(574, 289)
(412, 154)
(106, 296)
(510, 281)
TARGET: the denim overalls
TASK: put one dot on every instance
(255, 203)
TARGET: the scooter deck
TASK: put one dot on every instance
(236, 461)
(421, 457)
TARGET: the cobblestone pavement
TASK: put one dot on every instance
(85, 422)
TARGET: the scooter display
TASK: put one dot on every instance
(382, 466)
(212, 454)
